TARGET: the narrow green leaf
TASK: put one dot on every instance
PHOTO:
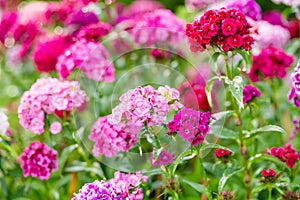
(213, 62)
(228, 173)
(207, 147)
(64, 156)
(268, 128)
(198, 187)
(259, 188)
(221, 115)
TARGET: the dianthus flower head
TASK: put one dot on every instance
(269, 63)
(225, 28)
(109, 140)
(222, 153)
(47, 96)
(248, 7)
(38, 160)
(128, 185)
(249, 93)
(286, 154)
(158, 27)
(94, 32)
(191, 125)
(164, 158)
(97, 190)
(266, 37)
(268, 173)
(144, 105)
(90, 57)
(295, 90)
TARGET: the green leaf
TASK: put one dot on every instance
(213, 62)
(236, 89)
(82, 167)
(261, 157)
(64, 156)
(259, 188)
(221, 115)
(200, 188)
(223, 133)
(246, 58)
(268, 128)
(226, 175)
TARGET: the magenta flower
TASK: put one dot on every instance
(270, 63)
(199, 4)
(97, 190)
(226, 28)
(109, 140)
(268, 173)
(249, 93)
(90, 57)
(191, 125)
(164, 158)
(94, 32)
(286, 154)
(47, 96)
(38, 160)
(295, 90)
(222, 153)
(46, 52)
(248, 7)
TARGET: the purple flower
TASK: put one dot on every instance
(38, 160)
(249, 93)
(55, 128)
(295, 90)
(248, 7)
(97, 190)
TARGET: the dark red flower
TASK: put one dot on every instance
(222, 153)
(286, 154)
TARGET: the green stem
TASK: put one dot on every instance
(270, 192)
(206, 180)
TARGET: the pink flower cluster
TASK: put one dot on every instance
(145, 105)
(109, 140)
(90, 57)
(97, 190)
(38, 160)
(267, 38)
(286, 154)
(199, 4)
(138, 8)
(249, 93)
(164, 158)
(222, 153)
(191, 125)
(248, 7)
(295, 91)
(47, 96)
(127, 185)
(159, 26)
(227, 28)
(271, 62)
(268, 173)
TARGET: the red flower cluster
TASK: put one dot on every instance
(222, 153)
(227, 28)
(268, 173)
(286, 154)
(271, 62)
